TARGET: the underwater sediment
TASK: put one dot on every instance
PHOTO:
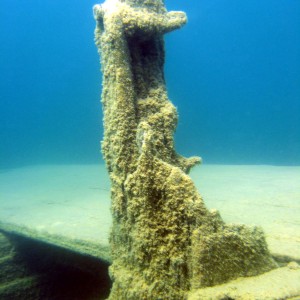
(164, 241)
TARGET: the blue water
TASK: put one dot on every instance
(233, 72)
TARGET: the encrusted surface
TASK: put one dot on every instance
(36, 266)
(164, 241)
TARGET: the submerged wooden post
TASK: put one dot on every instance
(164, 241)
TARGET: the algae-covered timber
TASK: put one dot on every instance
(164, 241)
(35, 266)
